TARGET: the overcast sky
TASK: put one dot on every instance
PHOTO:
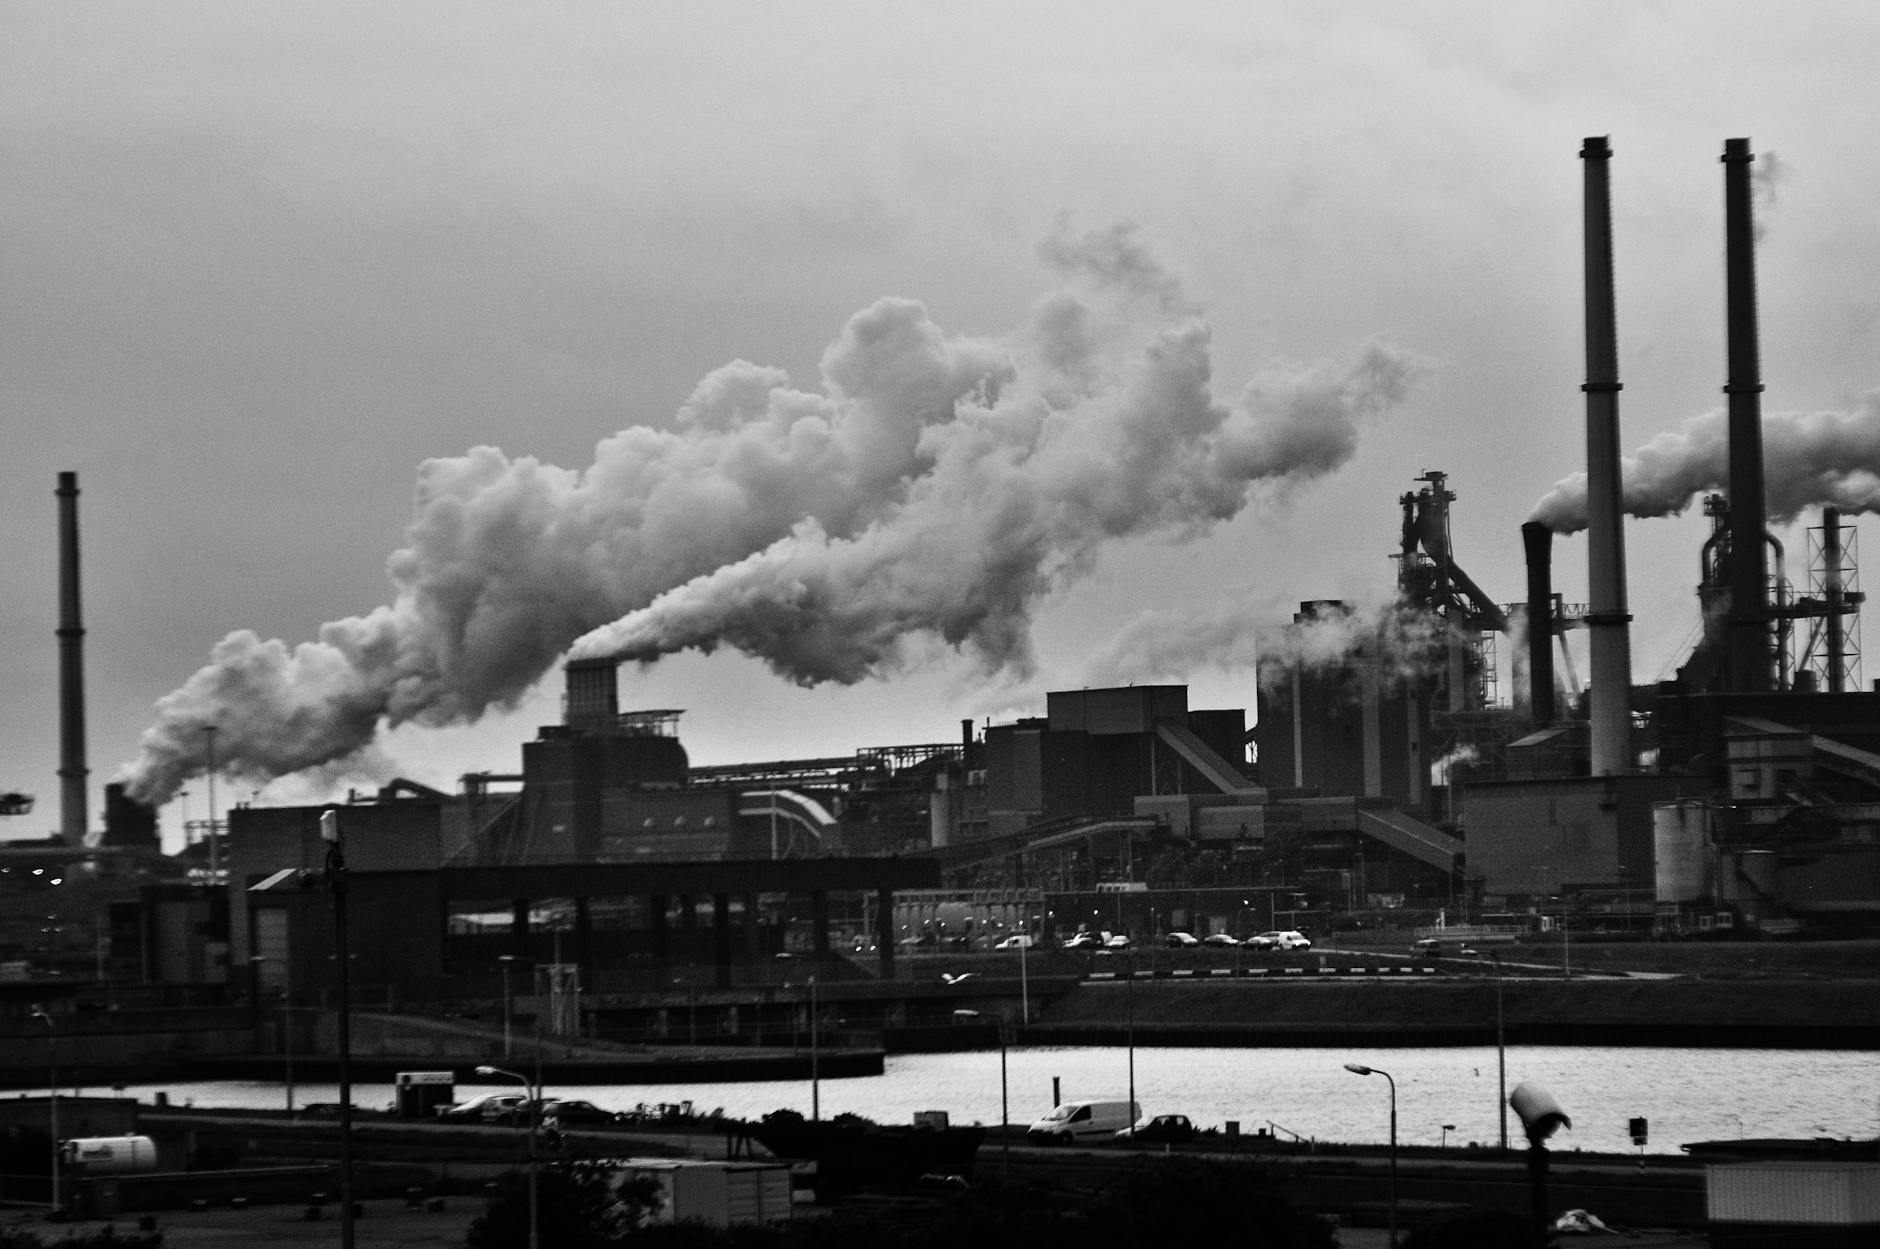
(273, 272)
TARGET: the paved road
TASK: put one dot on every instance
(386, 1224)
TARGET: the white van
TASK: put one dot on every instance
(1076, 1121)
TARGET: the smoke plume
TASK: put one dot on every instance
(934, 488)
(1810, 459)
(1163, 645)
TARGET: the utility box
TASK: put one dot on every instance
(419, 1094)
(718, 1194)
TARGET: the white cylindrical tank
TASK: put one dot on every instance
(1684, 867)
(110, 1155)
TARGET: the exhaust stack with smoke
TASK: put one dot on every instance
(1538, 541)
(1608, 621)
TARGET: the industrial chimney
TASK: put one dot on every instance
(71, 632)
(1748, 639)
(1608, 621)
(1538, 541)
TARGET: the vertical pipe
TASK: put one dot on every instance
(72, 763)
(1749, 650)
(1608, 621)
(1538, 541)
(1835, 593)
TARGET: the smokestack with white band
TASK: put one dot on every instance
(1749, 650)
(72, 769)
(1608, 622)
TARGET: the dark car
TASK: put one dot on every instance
(575, 1113)
(1160, 1130)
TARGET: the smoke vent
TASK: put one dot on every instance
(128, 822)
(592, 697)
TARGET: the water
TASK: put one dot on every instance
(1686, 1094)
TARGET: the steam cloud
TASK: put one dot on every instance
(1809, 460)
(1404, 640)
(936, 488)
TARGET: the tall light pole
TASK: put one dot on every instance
(1129, 993)
(52, 1102)
(815, 1072)
(287, 1022)
(506, 961)
(336, 885)
(1501, 1055)
(1005, 1102)
(1362, 1070)
(215, 851)
(535, 1113)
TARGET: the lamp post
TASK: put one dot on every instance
(815, 1073)
(287, 1022)
(52, 1102)
(1129, 994)
(535, 1112)
(1501, 1055)
(1005, 1103)
(336, 885)
(1362, 1070)
(506, 961)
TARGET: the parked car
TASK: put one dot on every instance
(485, 1108)
(1084, 941)
(1159, 1130)
(1279, 939)
(1182, 940)
(1018, 941)
(1118, 941)
(1220, 938)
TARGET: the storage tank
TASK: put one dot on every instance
(1684, 865)
(110, 1155)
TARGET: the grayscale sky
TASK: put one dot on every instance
(854, 369)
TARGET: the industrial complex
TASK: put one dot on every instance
(1395, 774)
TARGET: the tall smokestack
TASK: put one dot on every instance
(1749, 657)
(1538, 540)
(72, 769)
(1608, 621)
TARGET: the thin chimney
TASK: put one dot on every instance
(71, 632)
(1608, 621)
(1749, 648)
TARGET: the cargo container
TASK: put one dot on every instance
(718, 1194)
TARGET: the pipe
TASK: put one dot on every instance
(1538, 540)
(1749, 651)
(1608, 621)
(71, 633)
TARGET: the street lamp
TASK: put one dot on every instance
(1362, 1070)
(336, 885)
(815, 1071)
(52, 1102)
(506, 961)
(1501, 1055)
(1005, 1103)
(535, 1111)
(287, 1022)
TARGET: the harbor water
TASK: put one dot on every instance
(1444, 1095)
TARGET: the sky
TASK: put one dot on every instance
(851, 370)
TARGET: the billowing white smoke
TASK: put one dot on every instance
(1165, 646)
(1810, 459)
(934, 489)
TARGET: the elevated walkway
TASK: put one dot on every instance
(1412, 836)
(1197, 753)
